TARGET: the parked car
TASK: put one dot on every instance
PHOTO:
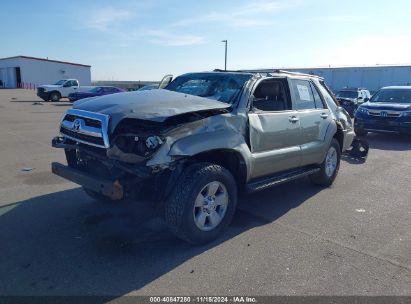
(351, 98)
(389, 110)
(61, 89)
(148, 87)
(206, 137)
(96, 91)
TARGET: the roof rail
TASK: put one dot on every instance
(354, 88)
(279, 71)
(269, 72)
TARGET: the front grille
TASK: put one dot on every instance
(86, 127)
(383, 114)
(85, 138)
(40, 90)
(88, 121)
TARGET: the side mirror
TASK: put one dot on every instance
(366, 99)
(165, 81)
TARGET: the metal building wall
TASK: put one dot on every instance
(37, 72)
(43, 72)
(372, 78)
(7, 74)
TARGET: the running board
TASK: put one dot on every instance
(275, 180)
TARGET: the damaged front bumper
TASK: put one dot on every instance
(112, 189)
(139, 170)
(112, 177)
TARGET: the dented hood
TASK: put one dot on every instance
(154, 105)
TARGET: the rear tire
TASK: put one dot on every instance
(329, 167)
(202, 203)
(55, 96)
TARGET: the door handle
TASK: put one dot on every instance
(293, 119)
(324, 115)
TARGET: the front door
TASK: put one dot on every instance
(70, 86)
(274, 129)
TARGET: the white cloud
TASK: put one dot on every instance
(171, 39)
(256, 13)
(111, 20)
(105, 18)
(372, 50)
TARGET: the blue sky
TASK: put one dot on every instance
(143, 40)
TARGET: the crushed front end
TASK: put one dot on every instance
(113, 165)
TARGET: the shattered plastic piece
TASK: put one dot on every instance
(359, 148)
(37, 103)
(360, 210)
(27, 169)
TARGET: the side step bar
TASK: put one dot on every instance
(275, 180)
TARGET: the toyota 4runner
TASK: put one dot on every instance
(202, 140)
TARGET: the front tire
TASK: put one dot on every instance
(202, 203)
(329, 167)
(55, 96)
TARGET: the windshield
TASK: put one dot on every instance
(392, 95)
(60, 82)
(347, 94)
(95, 90)
(218, 86)
(148, 87)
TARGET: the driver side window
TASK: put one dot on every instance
(270, 95)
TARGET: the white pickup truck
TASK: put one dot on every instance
(60, 89)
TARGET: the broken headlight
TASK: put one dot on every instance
(144, 145)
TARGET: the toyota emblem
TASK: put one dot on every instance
(76, 124)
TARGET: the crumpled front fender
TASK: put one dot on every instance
(198, 143)
(220, 132)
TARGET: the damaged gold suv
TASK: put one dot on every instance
(201, 139)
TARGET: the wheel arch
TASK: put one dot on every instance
(230, 159)
(339, 136)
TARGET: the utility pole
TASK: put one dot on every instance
(225, 58)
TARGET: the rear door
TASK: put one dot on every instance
(274, 129)
(315, 119)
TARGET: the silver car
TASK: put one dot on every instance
(202, 140)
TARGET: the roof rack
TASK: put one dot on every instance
(268, 72)
(353, 88)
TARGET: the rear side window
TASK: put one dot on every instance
(303, 94)
(317, 98)
(329, 96)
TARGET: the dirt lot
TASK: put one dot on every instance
(296, 239)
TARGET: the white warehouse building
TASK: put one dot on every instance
(369, 77)
(30, 72)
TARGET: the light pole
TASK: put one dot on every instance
(225, 58)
